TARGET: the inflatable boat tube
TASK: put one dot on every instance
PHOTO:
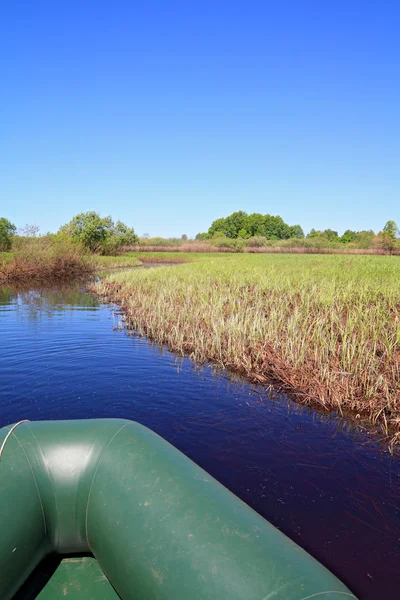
(158, 525)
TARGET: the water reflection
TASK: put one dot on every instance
(324, 482)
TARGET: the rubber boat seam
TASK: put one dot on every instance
(36, 484)
(80, 478)
(328, 592)
(50, 476)
(9, 434)
(94, 476)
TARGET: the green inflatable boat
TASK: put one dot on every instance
(132, 518)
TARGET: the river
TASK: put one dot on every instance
(326, 484)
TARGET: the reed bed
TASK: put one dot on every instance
(44, 260)
(207, 248)
(324, 328)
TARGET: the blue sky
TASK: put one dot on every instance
(167, 115)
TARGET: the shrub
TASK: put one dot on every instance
(48, 257)
(95, 232)
(7, 231)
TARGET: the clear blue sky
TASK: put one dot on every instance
(170, 114)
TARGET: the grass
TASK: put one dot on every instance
(116, 262)
(324, 328)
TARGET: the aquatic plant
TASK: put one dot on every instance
(324, 328)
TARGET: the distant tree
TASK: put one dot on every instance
(348, 236)
(219, 225)
(184, 237)
(243, 226)
(98, 233)
(256, 225)
(89, 229)
(202, 236)
(234, 223)
(328, 234)
(275, 228)
(314, 233)
(331, 235)
(296, 231)
(7, 231)
(125, 235)
(364, 239)
(29, 231)
(390, 233)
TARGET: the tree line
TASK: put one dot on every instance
(105, 236)
(240, 225)
(93, 232)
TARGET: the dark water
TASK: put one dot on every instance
(327, 486)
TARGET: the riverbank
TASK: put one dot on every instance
(325, 329)
(56, 262)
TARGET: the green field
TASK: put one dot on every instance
(325, 328)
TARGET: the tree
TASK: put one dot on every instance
(364, 239)
(219, 225)
(98, 233)
(29, 231)
(390, 233)
(256, 225)
(202, 236)
(296, 231)
(125, 235)
(348, 236)
(314, 233)
(331, 235)
(7, 231)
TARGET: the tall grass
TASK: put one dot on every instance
(44, 258)
(325, 328)
(276, 247)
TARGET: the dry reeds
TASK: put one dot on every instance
(204, 247)
(44, 259)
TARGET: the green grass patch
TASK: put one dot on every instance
(325, 328)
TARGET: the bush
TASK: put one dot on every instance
(7, 231)
(257, 241)
(48, 257)
(99, 234)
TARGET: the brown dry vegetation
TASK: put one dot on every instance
(324, 328)
(208, 248)
(44, 259)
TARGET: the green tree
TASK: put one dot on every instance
(7, 231)
(235, 223)
(348, 236)
(202, 236)
(314, 233)
(125, 235)
(296, 231)
(256, 225)
(390, 233)
(217, 226)
(98, 233)
(364, 239)
(331, 235)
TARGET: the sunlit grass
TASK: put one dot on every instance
(115, 262)
(325, 328)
